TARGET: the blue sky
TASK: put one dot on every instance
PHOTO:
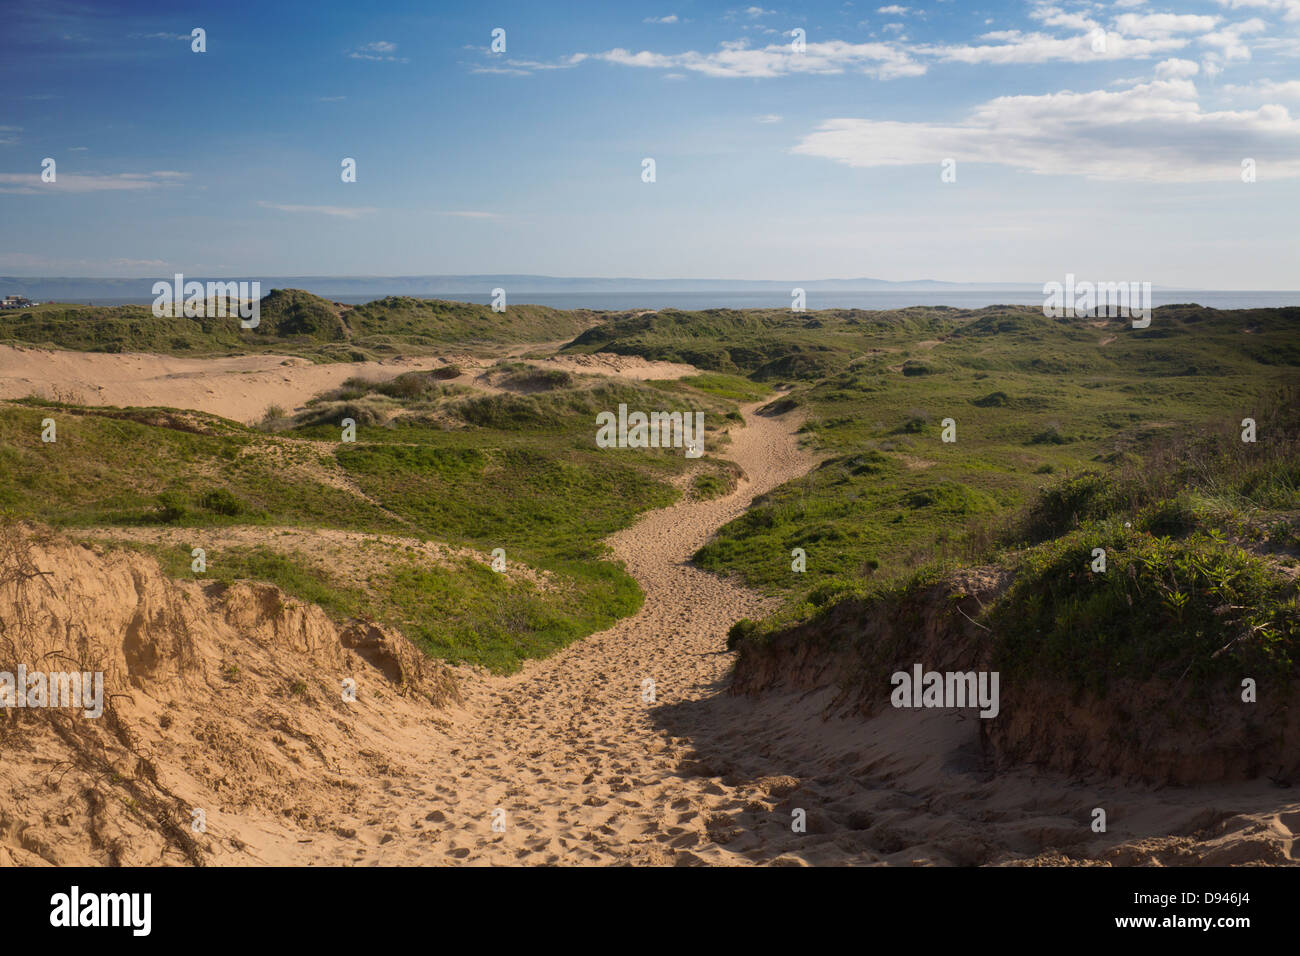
(1103, 139)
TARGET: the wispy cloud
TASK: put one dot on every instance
(471, 214)
(671, 18)
(736, 59)
(379, 50)
(770, 118)
(1285, 89)
(493, 65)
(1290, 9)
(342, 212)
(26, 260)
(30, 184)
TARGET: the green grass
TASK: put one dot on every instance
(1192, 607)
(465, 613)
(1060, 440)
(1031, 397)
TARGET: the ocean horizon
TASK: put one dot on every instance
(616, 301)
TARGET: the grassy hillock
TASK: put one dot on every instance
(294, 322)
(765, 344)
(1138, 665)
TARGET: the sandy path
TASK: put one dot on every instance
(575, 767)
(582, 766)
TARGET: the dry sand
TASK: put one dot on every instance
(243, 387)
(240, 387)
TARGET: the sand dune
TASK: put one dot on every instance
(243, 387)
(573, 760)
(239, 387)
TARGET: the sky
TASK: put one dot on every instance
(1103, 139)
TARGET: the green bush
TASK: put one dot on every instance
(172, 507)
(742, 630)
(222, 502)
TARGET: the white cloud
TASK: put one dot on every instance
(1056, 17)
(380, 50)
(735, 59)
(1286, 89)
(1290, 9)
(527, 67)
(770, 118)
(1229, 38)
(671, 18)
(1163, 24)
(1042, 48)
(895, 10)
(1175, 69)
(30, 184)
(343, 212)
(1152, 132)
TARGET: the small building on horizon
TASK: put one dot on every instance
(16, 302)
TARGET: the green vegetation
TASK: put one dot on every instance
(431, 460)
(1198, 531)
(1063, 444)
(1029, 397)
(293, 322)
(459, 609)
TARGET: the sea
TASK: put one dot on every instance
(872, 300)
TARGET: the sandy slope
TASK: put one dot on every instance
(583, 767)
(240, 387)
(243, 387)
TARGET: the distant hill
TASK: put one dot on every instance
(79, 289)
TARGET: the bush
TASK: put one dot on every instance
(742, 630)
(172, 507)
(221, 501)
